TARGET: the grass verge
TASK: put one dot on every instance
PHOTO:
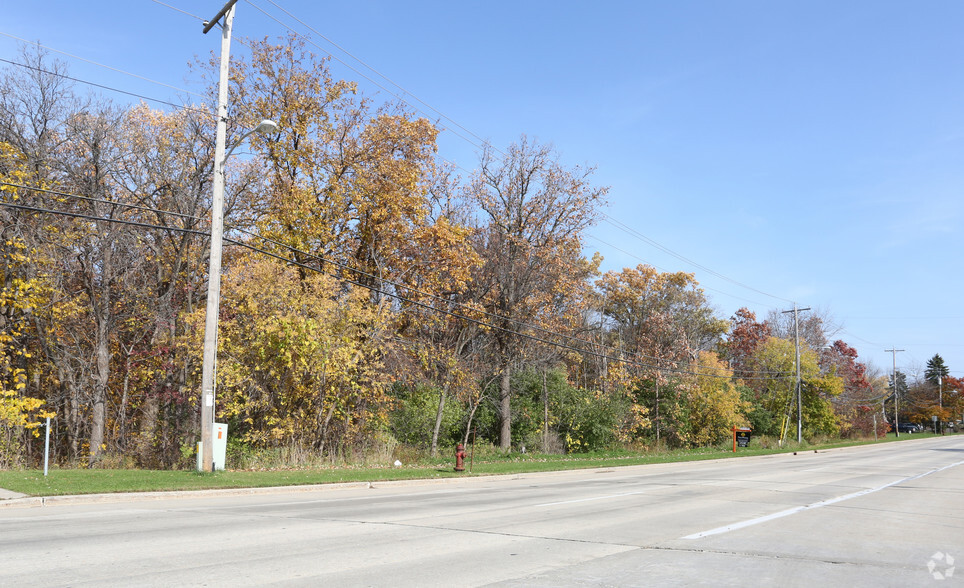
(61, 482)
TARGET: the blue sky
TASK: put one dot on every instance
(806, 152)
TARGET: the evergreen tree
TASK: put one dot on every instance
(901, 383)
(936, 368)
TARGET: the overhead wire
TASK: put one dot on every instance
(330, 261)
(378, 73)
(176, 9)
(105, 87)
(323, 259)
(114, 69)
(336, 58)
(633, 232)
(396, 295)
(638, 258)
(483, 144)
(336, 263)
(619, 225)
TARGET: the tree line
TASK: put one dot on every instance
(371, 295)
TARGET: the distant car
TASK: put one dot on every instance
(907, 428)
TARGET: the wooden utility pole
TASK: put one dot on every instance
(895, 351)
(209, 364)
(796, 347)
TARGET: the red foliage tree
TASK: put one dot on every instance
(855, 407)
(746, 334)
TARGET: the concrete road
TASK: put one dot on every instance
(884, 515)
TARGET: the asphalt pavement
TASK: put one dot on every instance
(880, 515)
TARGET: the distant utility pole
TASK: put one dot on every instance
(940, 393)
(895, 351)
(796, 347)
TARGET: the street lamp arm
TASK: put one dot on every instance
(265, 126)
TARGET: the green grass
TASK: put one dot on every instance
(97, 481)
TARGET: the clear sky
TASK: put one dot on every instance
(806, 152)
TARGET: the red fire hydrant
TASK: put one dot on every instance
(459, 458)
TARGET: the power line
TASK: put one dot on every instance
(633, 232)
(619, 225)
(105, 87)
(178, 10)
(638, 258)
(378, 73)
(103, 201)
(609, 219)
(323, 259)
(114, 69)
(615, 223)
(336, 58)
(395, 295)
(336, 263)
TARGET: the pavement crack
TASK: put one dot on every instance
(775, 556)
(498, 533)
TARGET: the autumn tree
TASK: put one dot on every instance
(36, 103)
(774, 390)
(815, 326)
(439, 308)
(663, 321)
(856, 405)
(20, 297)
(168, 173)
(106, 253)
(20, 413)
(713, 403)
(664, 315)
(35, 100)
(533, 215)
(350, 185)
(954, 400)
(925, 398)
(105, 333)
(355, 190)
(299, 359)
(744, 337)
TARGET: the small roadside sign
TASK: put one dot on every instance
(741, 437)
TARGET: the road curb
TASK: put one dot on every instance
(26, 502)
(113, 497)
(42, 501)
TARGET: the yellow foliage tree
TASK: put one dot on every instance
(19, 296)
(346, 181)
(713, 401)
(774, 387)
(299, 360)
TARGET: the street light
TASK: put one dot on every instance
(265, 126)
(209, 365)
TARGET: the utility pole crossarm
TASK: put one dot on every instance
(209, 24)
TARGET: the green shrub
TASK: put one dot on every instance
(412, 420)
(589, 419)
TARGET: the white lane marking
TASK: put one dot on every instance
(829, 501)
